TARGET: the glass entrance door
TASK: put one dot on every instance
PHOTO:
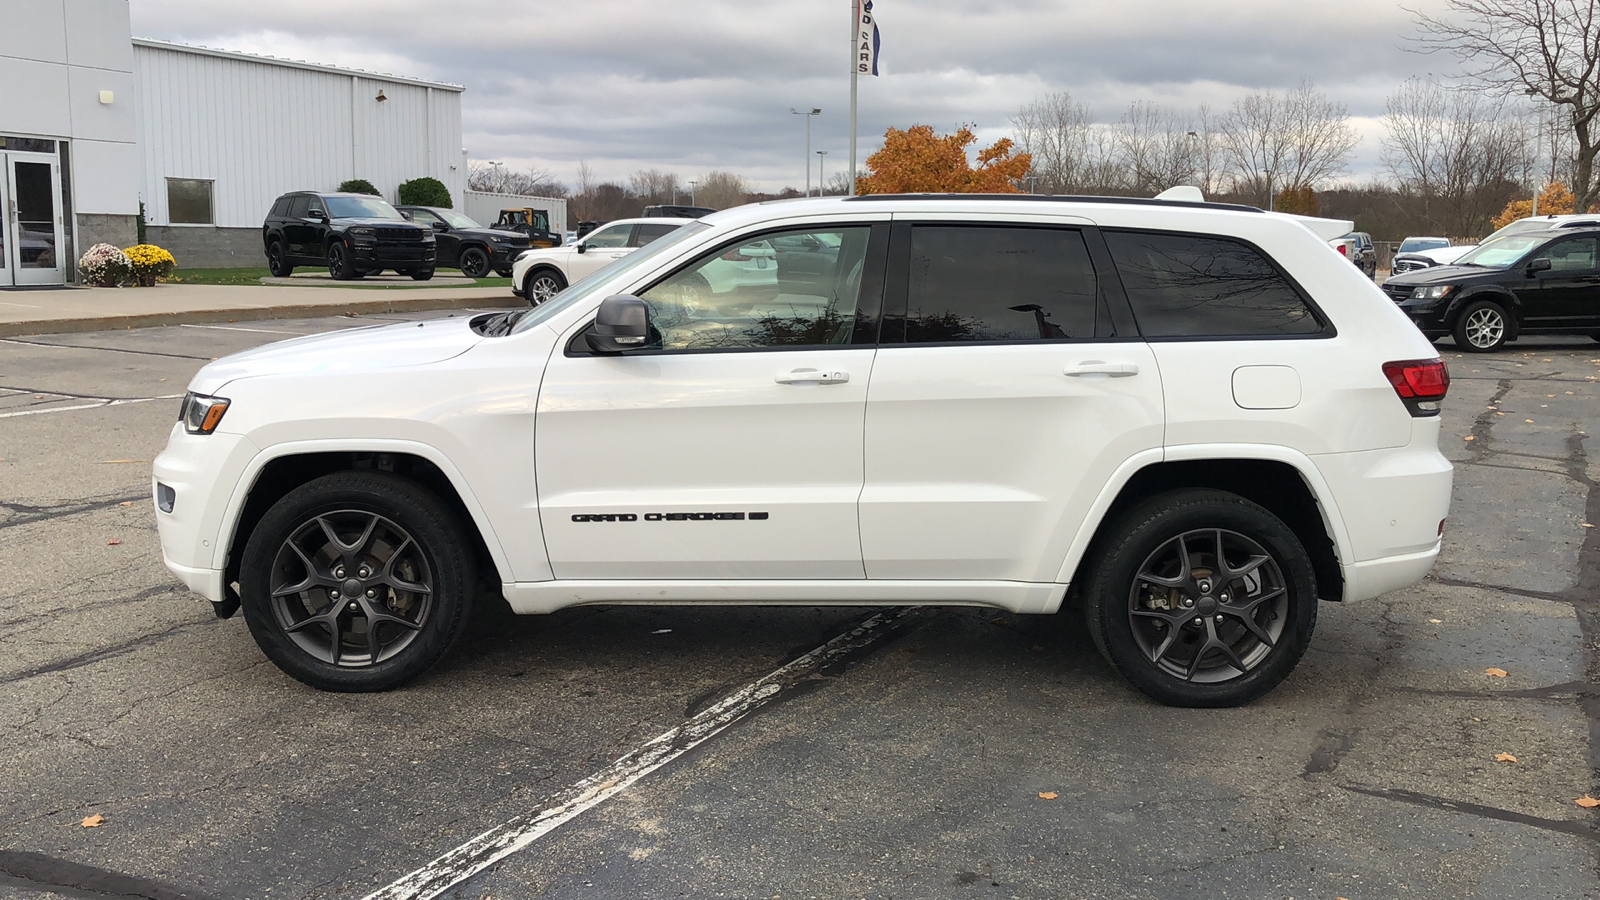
(32, 232)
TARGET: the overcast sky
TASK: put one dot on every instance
(694, 85)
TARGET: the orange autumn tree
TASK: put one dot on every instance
(1554, 200)
(916, 160)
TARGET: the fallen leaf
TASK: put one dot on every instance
(126, 503)
(1499, 413)
(113, 542)
(1587, 525)
(1587, 802)
(1504, 757)
(1569, 394)
(1498, 673)
(1051, 795)
(96, 820)
(1552, 395)
(1437, 621)
(1529, 421)
(1469, 438)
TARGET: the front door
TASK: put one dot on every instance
(601, 246)
(729, 449)
(32, 230)
(1006, 393)
(1567, 294)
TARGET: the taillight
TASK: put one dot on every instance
(1343, 251)
(1420, 383)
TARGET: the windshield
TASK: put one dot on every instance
(360, 208)
(1502, 252)
(455, 219)
(1412, 245)
(584, 288)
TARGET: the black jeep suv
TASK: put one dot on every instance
(1540, 282)
(466, 245)
(352, 234)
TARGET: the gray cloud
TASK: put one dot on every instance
(692, 85)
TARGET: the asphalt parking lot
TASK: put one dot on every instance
(947, 753)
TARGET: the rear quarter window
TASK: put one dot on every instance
(1190, 286)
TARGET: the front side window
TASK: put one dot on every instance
(979, 284)
(759, 294)
(1183, 285)
(1574, 255)
(614, 236)
(423, 216)
(189, 201)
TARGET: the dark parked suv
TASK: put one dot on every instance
(466, 245)
(1542, 282)
(352, 234)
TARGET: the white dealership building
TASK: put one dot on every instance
(95, 124)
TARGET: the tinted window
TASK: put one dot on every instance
(1188, 286)
(281, 208)
(975, 283)
(793, 290)
(1575, 255)
(423, 216)
(359, 208)
(301, 206)
(648, 233)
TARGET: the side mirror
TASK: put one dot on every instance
(1542, 264)
(405, 214)
(440, 226)
(582, 247)
(316, 213)
(621, 323)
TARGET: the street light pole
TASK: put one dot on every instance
(691, 191)
(822, 181)
(808, 115)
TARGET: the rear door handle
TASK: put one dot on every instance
(1098, 367)
(812, 376)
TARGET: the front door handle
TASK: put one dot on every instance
(812, 376)
(1099, 367)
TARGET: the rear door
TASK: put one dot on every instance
(1009, 386)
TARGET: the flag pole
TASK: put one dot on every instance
(855, 31)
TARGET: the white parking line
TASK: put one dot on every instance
(521, 832)
(98, 404)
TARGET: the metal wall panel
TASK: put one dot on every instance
(258, 128)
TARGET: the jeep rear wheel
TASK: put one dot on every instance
(1201, 598)
(278, 261)
(357, 581)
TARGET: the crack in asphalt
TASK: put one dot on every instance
(104, 653)
(1576, 829)
(13, 514)
(103, 349)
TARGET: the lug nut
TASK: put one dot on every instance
(365, 571)
(338, 571)
(1219, 620)
(372, 594)
(1188, 602)
(333, 594)
(353, 607)
(1199, 621)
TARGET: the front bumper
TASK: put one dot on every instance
(501, 258)
(202, 472)
(395, 255)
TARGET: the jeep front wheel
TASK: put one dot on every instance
(474, 262)
(339, 267)
(1201, 598)
(357, 581)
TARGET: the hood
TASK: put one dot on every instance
(376, 347)
(500, 233)
(1447, 275)
(370, 220)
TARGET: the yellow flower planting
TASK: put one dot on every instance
(149, 263)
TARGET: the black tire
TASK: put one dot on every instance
(1165, 637)
(474, 262)
(278, 261)
(540, 285)
(413, 541)
(1481, 327)
(420, 274)
(339, 266)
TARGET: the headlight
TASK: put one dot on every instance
(521, 255)
(1433, 292)
(201, 414)
(363, 231)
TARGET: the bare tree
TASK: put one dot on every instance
(1156, 148)
(535, 182)
(1209, 158)
(720, 190)
(1071, 153)
(654, 187)
(1548, 49)
(1291, 141)
(1455, 152)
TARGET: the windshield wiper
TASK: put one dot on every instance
(501, 325)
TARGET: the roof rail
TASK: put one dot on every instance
(1061, 198)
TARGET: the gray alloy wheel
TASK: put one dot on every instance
(1481, 327)
(357, 581)
(339, 263)
(542, 284)
(278, 261)
(474, 262)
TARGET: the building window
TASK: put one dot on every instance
(189, 201)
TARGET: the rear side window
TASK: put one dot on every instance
(978, 284)
(1183, 285)
(648, 233)
(300, 206)
(281, 208)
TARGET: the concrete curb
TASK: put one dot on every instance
(254, 314)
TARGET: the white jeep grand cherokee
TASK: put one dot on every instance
(1196, 419)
